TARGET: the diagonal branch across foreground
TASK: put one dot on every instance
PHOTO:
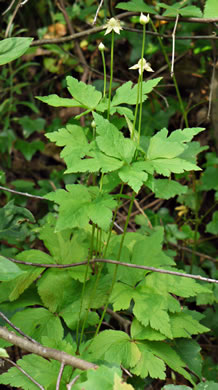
(46, 352)
(130, 265)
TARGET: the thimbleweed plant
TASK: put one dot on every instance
(112, 156)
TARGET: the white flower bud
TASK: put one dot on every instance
(93, 124)
(101, 47)
(144, 19)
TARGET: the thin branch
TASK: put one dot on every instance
(95, 30)
(46, 352)
(200, 254)
(171, 19)
(97, 12)
(162, 97)
(143, 213)
(122, 321)
(187, 20)
(12, 18)
(78, 50)
(9, 7)
(169, 36)
(25, 373)
(173, 45)
(16, 328)
(21, 193)
(213, 83)
(67, 38)
(70, 385)
(153, 269)
(60, 376)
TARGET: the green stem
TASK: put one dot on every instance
(101, 182)
(116, 268)
(140, 109)
(78, 341)
(141, 82)
(184, 113)
(136, 109)
(83, 113)
(112, 223)
(105, 74)
(111, 75)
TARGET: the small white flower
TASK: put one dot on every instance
(113, 25)
(142, 65)
(144, 19)
(101, 47)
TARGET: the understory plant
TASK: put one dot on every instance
(66, 296)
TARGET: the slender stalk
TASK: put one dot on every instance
(101, 265)
(105, 74)
(141, 82)
(116, 268)
(113, 220)
(136, 109)
(78, 341)
(111, 75)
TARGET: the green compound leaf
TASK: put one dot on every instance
(65, 248)
(162, 146)
(175, 9)
(55, 299)
(79, 204)
(208, 385)
(127, 93)
(209, 179)
(150, 309)
(121, 296)
(100, 210)
(189, 351)
(183, 287)
(184, 325)
(141, 332)
(112, 142)
(149, 364)
(43, 371)
(106, 378)
(73, 206)
(96, 162)
(116, 347)
(23, 281)
(168, 154)
(147, 250)
(133, 177)
(136, 6)
(165, 352)
(31, 125)
(74, 141)
(28, 149)
(212, 227)
(211, 10)
(85, 94)
(12, 218)
(167, 166)
(13, 48)
(185, 135)
(56, 101)
(9, 270)
(166, 189)
(39, 322)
